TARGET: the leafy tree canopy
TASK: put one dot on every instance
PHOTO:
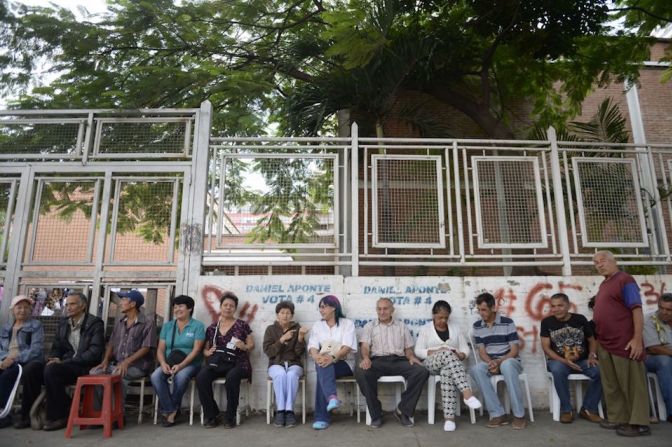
(298, 62)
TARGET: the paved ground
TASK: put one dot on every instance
(345, 431)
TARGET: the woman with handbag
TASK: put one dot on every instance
(284, 344)
(443, 348)
(227, 346)
(179, 357)
(332, 346)
(21, 342)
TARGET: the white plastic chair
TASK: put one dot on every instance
(270, 398)
(398, 380)
(654, 388)
(191, 404)
(554, 399)
(496, 378)
(432, 381)
(216, 392)
(139, 387)
(10, 400)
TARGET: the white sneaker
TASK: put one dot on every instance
(449, 425)
(473, 403)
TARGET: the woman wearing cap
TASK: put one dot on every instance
(284, 344)
(179, 357)
(227, 347)
(443, 348)
(332, 346)
(21, 342)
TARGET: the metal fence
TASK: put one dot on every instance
(111, 198)
(435, 206)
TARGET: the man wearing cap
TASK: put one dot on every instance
(78, 345)
(130, 350)
(21, 343)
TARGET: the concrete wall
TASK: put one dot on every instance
(525, 299)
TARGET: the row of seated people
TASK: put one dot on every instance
(187, 349)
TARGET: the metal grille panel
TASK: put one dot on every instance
(609, 203)
(292, 202)
(509, 206)
(407, 201)
(144, 220)
(7, 198)
(64, 219)
(146, 136)
(41, 137)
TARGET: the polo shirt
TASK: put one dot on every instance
(184, 341)
(498, 338)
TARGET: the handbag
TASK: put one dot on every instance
(176, 356)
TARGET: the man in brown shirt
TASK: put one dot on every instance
(130, 350)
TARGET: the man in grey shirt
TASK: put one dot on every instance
(387, 350)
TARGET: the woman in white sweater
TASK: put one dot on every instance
(443, 347)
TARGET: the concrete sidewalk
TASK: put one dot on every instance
(345, 431)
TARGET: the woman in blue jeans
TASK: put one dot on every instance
(332, 346)
(184, 334)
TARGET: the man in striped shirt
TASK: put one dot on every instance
(496, 344)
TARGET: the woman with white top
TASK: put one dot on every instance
(443, 348)
(332, 346)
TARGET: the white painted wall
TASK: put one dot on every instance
(524, 299)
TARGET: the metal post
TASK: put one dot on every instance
(354, 199)
(563, 241)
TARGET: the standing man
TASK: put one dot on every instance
(78, 345)
(658, 343)
(387, 350)
(619, 324)
(130, 350)
(570, 348)
(496, 339)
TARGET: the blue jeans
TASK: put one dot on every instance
(510, 369)
(662, 366)
(560, 373)
(170, 402)
(326, 387)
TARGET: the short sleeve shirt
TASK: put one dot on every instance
(498, 338)
(184, 341)
(240, 330)
(568, 337)
(127, 341)
(386, 339)
(656, 333)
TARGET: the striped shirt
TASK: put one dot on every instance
(386, 339)
(498, 338)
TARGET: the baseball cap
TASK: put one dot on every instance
(17, 299)
(134, 296)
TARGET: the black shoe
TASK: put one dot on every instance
(377, 423)
(609, 425)
(58, 424)
(6, 422)
(279, 420)
(229, 424)
(290, 419)
(631, 430)
(166, 423)
(212, 423)
(22, 423)
(404, 420)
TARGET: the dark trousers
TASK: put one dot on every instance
(32, 381)
(7, 381)
(234, 374)
(391, 365)
(56, 377)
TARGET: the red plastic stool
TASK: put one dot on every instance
(109, 412)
